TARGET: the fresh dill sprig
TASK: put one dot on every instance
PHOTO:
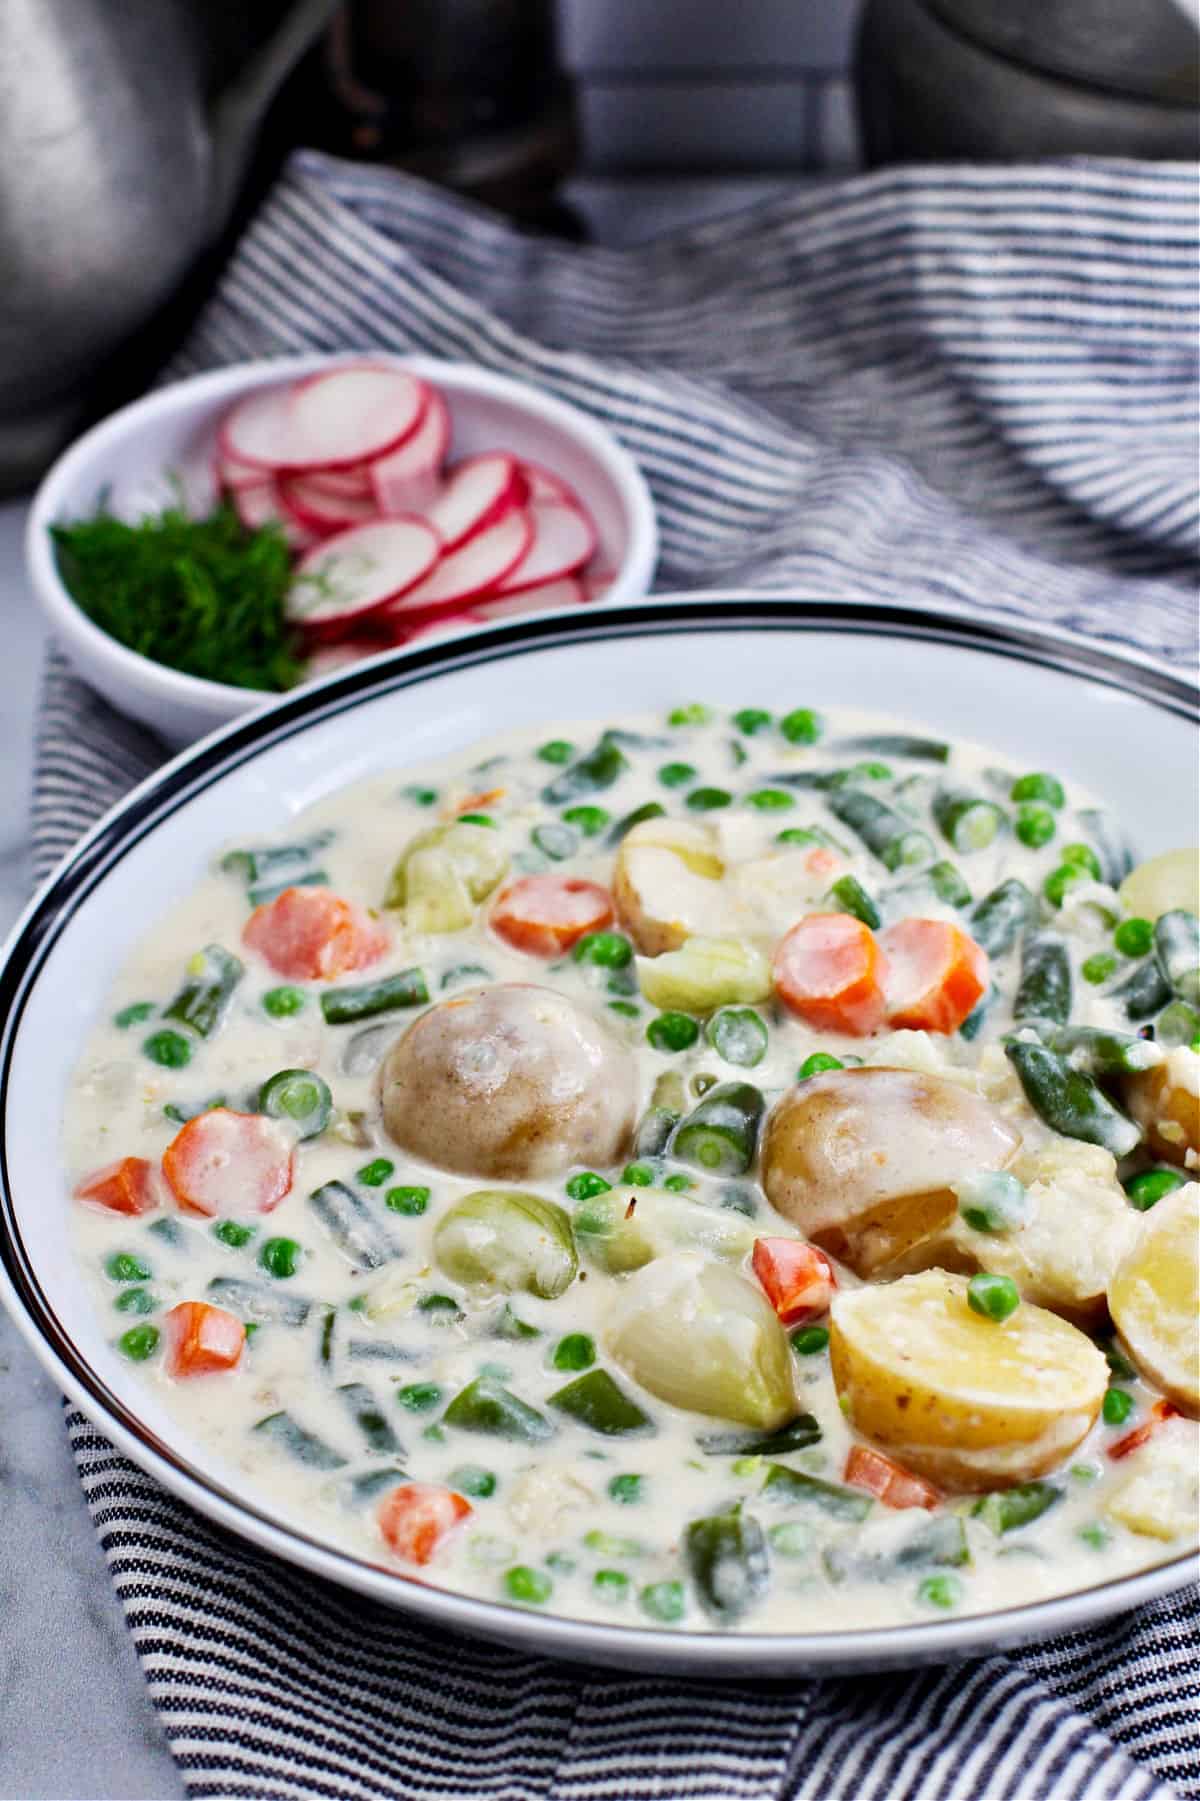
(204, 596)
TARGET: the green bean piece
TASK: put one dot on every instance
(1110, 845)
(574, 1352)
(1095, 1050)
(651, 809)
(851, 897)
(1060, 881)
(465, 972)
(484, 819)
(370, 1419)
(139, 1343)
(591, 821)
(486, 1406)
(1044, 990)
(801, 726)
(597, 1402)
(124, 1266)
(301, 1445)
(941, 1543)
(344, 1006)
(1178, 1024)
(966, 820)
(1035, 826)
(169, 1231)
(134, 1015)
(418, 1397)
(1069, 1102)
(1039, 787)
(274, 859)
(409, 1200)
(626, 1490)
(654, 1131)
(1146, 1189)
(298, 1096)
(269, 891)
(787, 1485)
(887, 833)
(558, 842)
(1011, 1508)
(672, 1032)
(1097, 968)
(720, 1134)
(599, 769)
(507, 1241)
(352, 1225)
(259, 1302)
(897, 744)
(509, 1326)
(1144, 993)
(727, 1558)
(948, 885)
(212, 976)
(1177, 951)
(136, 1300)
(738, 1035)
(472, 1479)
(797, 1435)
(817, 1064)
(171, 1050)
(1001, 916)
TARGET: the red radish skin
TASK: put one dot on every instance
(230, 474)
(469, 573)
(223, 1163)
(256, 430)
(359, 572)
(409, 480)
(351, 414)
(543, 484)
(566, 592)
(355, 482)
(261, 505)
(564, 539)
(322, 513)
(476, 494)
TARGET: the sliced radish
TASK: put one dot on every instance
(409, 480)
(357, 572)
(355, 481)
(544, 485)
(351, 414)
(566, 592)
(330, 657)
(231, 474)
(596, 582)
(261, 505)
(472, 571)
(322, 513)
(563, 540)
(477, 493)
(257, 430)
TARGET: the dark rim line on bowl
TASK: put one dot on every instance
(133, 818)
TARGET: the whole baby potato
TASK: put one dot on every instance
(513, 1082)
(864, 1160)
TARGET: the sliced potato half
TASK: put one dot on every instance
(668, 885)
(1164, 883)
(1166, 1104)
(968, 1402)
(1154, 1297)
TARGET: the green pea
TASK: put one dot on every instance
(1095, 1534)
(994, 1297)
(751, 720)
(134, 1015)
(672, 1032)
(814, 1065)
(1097, 968)
(1035, 826)
(871, 772)
(375, 1174)
(1082, 856)
(421, 797)
(1117, 1406)
(738, 1035)
(770, 800)
(170, 1049)
(707, 800)
(611, 1585)
(588, 820)
(802, 726)
(807, 1341)
(944, 1591)
(679, 1184)
(407, 1200)
(574, 1352)
(638, 1175)
(1066, 876)
(419, 1397)
(1039, 787)
(626, 1009)
(233, 1233)
(992, 1200)
(626, 1490)
(603, 950)
(123, 1266)
(135, 1300)
(695, 714)
(282, 1003)
(138, 1343)
(477, 819)
(583, 1186)
(472, 1479)
(676, 775)
(557, 750)
(1134, 937)
(796, 834)
(434, 1434)
(663, 1601)
(442, 1309)
(1148, 1188)
(530, 1587)
(609, 1544)
(280, 1257)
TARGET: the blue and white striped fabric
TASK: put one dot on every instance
(961, 386)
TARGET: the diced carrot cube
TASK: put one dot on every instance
(888, 1481)
(797, 1278)
(416, 1517)
(126, 1186)
(200, 1339)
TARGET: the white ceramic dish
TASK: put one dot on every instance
(132, 457)
(1120, 726)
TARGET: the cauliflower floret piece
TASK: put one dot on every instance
(540, 1498)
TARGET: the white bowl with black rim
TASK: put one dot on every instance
(1113, 722)
(160, 448)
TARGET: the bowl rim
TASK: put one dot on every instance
(68, 618)
(83, 869)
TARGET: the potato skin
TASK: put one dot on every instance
(511, 1082)
(862, 1160)
(1166, 1104)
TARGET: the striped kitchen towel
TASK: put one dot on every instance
(964, 386)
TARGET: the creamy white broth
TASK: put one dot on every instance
(551, 1510)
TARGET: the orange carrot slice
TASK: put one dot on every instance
(224, 1162)
(200, 1339)
(544, 915)
(126, 1186)
(936, 974)
(417, 1516)
(1133, 1441)
(797, 1278)
(830, 971)
(308, 933)
(888, 1481)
